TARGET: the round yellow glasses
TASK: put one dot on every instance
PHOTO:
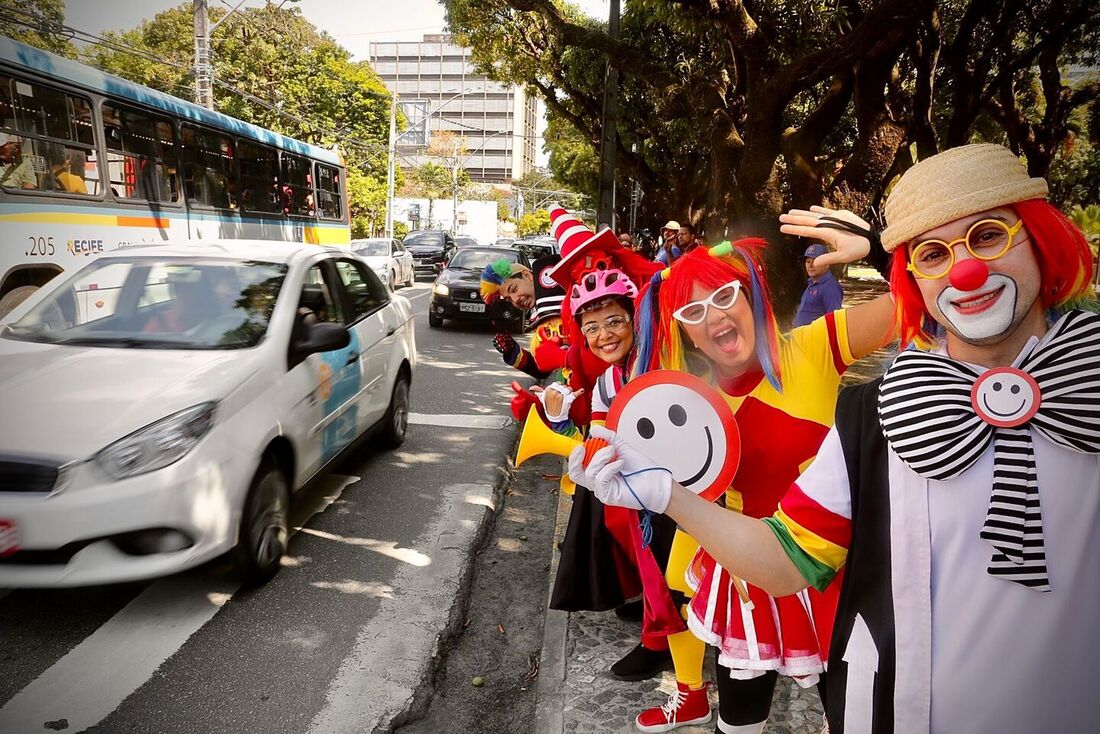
(987, 239)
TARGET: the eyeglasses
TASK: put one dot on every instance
(986, 239)
(722, 299)
(613, 324)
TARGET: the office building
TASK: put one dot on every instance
(495, 121)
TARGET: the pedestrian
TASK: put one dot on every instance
(669, 250)
(15, 170)
(626, 240)
(823, 292)
(688, 238)
(780, 386)
(525, 289)
(960, 492)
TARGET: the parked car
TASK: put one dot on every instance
(162, 404)
(464, 241)
(389, 260)
(430, 249)
(456, 293)
(533, 249)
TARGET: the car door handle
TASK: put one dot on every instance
(392, 331)
(352, 358)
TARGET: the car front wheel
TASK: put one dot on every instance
(434, 321)
(396, 422)
(264, 531)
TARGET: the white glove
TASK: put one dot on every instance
(567, 398)
(620, 476)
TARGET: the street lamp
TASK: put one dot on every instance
(390, 170)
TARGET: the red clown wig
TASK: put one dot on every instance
(1065, 270)
(661, 338)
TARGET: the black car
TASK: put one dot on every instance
(456, 293)
(430, 249)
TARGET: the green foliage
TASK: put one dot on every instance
(400, 229)
(533, 223)
(45, 18)
(314, 91)
(1088, 219)
(366, 203)
(429, 181)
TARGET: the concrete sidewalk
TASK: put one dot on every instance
(576, 693)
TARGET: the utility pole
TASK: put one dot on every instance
(204, 76)
(635, 202)
(454, 196)
(390, 166)
(204, 69)
(605, 213)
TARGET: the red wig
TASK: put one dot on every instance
(743, 264)
(1065, 270)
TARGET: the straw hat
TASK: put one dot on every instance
(953, 184)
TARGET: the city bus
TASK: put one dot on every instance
(90, 162)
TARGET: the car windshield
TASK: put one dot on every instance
(478, 259)
(153, 303)
(373, 248)
(424, 238)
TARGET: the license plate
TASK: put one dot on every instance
(9, 537)
(472, 307)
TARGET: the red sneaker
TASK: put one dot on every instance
(684, 708)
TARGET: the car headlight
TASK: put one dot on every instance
(158, 444)
(441, 290)
(383, 275)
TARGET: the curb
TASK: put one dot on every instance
(549, 701)
(389, 678)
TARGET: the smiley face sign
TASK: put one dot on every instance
(683, 424)
(1005, 397)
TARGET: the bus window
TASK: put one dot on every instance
(208, 175)
(46, 139)
(297, 186)
(141, 154)
(260, 189)
(329, 201)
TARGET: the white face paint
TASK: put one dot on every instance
(975, 316)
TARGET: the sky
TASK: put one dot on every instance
(355, 24)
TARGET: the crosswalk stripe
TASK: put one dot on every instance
(460, 421)
(136, 641)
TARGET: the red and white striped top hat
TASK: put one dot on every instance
(576, 241)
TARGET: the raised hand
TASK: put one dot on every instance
(845, 242)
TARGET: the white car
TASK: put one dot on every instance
(161, 405)
(388, 259)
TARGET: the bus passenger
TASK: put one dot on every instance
(15, 170)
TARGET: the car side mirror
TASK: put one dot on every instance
(323, 337)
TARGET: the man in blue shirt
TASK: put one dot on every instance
(823, 293)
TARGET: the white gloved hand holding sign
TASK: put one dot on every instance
(620, 476)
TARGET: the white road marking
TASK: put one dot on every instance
(460, 421)
(137, 640)
(394, 649)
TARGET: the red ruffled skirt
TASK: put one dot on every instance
(789, 634)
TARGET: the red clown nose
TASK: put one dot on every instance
(969, 275)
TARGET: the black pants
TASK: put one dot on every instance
(743, 702)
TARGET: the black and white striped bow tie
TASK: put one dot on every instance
(940, 415)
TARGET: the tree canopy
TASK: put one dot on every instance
(732, 111)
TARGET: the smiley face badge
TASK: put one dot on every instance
(1005, 397)
(681, 423)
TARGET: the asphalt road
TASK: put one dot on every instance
(193, 653)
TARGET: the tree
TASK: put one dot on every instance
(533, 223)
(734, 111)
(39, 23)
(429, 181)
(366, 203)
(272, 68)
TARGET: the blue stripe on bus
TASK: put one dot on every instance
(64, 69)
